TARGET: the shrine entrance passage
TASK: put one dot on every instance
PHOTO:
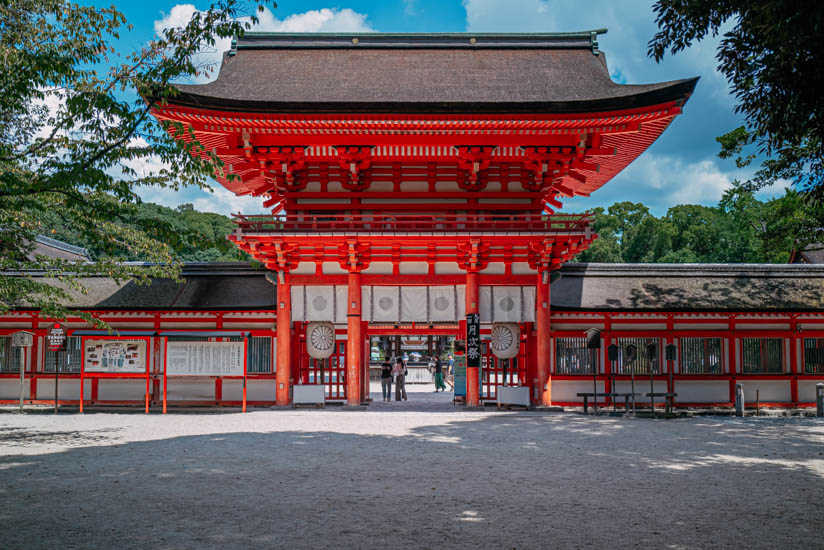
(330, 372)
(496, 372)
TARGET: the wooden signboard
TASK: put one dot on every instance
(115, 356)
(204, 359)
(56, 338)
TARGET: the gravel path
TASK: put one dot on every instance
(422, 476)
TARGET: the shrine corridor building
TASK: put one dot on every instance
(416, 183)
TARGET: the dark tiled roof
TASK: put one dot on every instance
(229, 286)
(686, 287)
(543, 73)
(53, 248)
(594, 287)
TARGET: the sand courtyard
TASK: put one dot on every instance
(418, 474)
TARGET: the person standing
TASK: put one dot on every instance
(386, 380)
(439, 385)
(450, 379)
(399, 371)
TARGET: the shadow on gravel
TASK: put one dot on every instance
(514, 481)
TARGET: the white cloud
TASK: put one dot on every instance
(221, 201)
(322, 20)
(660, 182)
(410, 7)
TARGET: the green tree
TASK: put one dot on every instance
(77, 140)
(773, 60)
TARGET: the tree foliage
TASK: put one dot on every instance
(740, 229)
(77, 141)
(772, 57)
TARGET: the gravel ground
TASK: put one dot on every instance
(418, 474)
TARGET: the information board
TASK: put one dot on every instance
(459, 374)
(56, 338)
(204, 359)
(115, 356)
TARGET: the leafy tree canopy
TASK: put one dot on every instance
(772, 57)
(77, 141)
(740, 229)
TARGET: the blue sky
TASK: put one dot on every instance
(681, 167)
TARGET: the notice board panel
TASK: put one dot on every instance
(115, 356)
(204, 359)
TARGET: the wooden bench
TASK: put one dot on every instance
(669, 397)
(613, 395)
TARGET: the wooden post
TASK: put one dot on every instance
(82, 370)
(284, 341)
(354, 343)
(148, 377)
(165, 377)
(473, 390)
(245, 359)
(542, 338)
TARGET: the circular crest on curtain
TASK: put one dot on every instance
(320, 339)
(505, 340)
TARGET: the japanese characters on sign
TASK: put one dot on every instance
(56, 338)
(115, 356)
(204, 359)
(473, 340)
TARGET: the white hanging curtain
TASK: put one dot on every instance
(341, 299)
(320, 303)
(506, 304)
(460, 292)
(442, 303)
(528, 312)
(485, 305)
(386, 304)
(366, 303)
(413, 304)
(296, 293)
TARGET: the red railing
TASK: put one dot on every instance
(557, 223)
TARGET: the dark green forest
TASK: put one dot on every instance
(197, 236)
(739, 229)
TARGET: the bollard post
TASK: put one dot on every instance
(739, 400)
(819, 400)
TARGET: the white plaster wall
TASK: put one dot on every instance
(700, 326)
(522, 268)
(566, 390)
(806, 390)
(447, 268)
(121, 390)
(303, 268)
(333, 268)
(181, 389)
(772, 391)
(66, 389)
(413, 268)
(641, 386)
(10, 388)
(494, 268)
(379, 268)
(256, 390)
(702, 391)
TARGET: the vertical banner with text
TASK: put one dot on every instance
(473, 340)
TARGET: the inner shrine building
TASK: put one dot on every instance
(416, 184)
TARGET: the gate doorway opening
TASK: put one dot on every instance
(417, 350)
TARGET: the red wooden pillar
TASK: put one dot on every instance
(473, 390)
(354, 344)
(542, 347)
(365, 354)
(284, 342)
(794, 361)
